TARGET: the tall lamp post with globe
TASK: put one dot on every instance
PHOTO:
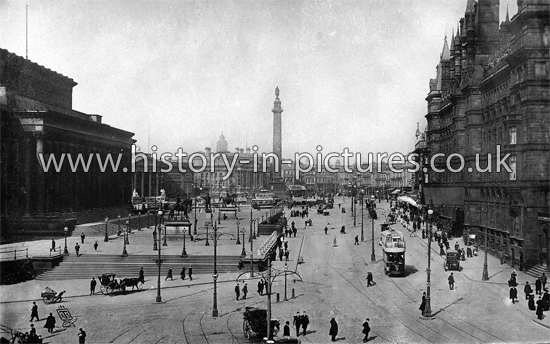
(428, 308)
(159, 298)
(66, 251)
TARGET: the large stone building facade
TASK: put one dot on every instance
(38, 122)
(491, 98)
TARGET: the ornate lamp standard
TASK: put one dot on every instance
(155, 234)
(428, 308)
(485, 274)
(159, 298)
(253, 233)
(164, 244)
(238, 240)
(106, 239)
(127, 230)
(207, 243)
(124, 252)
(372, 256)
(65, 251)
(129, 221)
(215, 275)
(243, 252)
(184, 252)
(362, 233)
(118, 229)
(286, 268)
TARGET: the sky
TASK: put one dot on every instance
(351, 74)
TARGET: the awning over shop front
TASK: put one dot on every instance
(407, 199)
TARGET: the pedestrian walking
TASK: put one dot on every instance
(356, 240)
(513, 294)
(543, 280)
(287, 254)
(527, 290)
(245, 290)
(366, 330)
(81, 336)
(50, 323)
(451, 281)
(82, 237)
(190, 270)
(32, 337)
(457, 246)
(182, 272)
(333, 332)
(95, 245)
(304, 322)
(281, 254)
(326, 230)
(370, 281)
(237, 291)
(93, 283)
(297, 322)
(538, 286)
(77, 249)
(423, 304)
(545, 301)
(286, 245)
(34, 312)
(286, 329)
(441, 250)
(141, 275)
(53, 246)
(260, 287)
(169, 275)
(540, 309)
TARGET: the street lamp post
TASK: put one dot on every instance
(238, 240)
(106, 239)
(124, 252)
(155, 234)
(66, 251)
(207, 243)
(219, 213)
(127, 229)
(184, 252)
(252, 225)
(129, 223)
(372, 256)
(243, 252)
(164, 243)
(159, 298)
(428, 308)
(485, 274)
(118, 229)
(215, 275)
(362, 233)
(286, 268)
(269, 295)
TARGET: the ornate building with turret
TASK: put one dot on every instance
(489, 132)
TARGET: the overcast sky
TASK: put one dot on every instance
(351, 73)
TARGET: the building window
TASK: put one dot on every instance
(513, 135)
(540, 69)
(513, 167)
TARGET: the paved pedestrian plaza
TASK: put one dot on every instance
(329, 283)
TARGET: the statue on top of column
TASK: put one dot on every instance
(277, 92)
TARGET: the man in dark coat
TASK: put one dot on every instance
(527, 290)
(545, 300)
(304, 322)
(513, 294)
(34, 312)
(77, 249)
(237, 292)
(50, 323)
(423, 304)
(333, 332)
(81, 336)
(543, 280)
(261, 287)
(93, 283)
(538, 286)
(366, 330)
(451, 281)
(82, 237)
(370, 281)
(182, 272)
(531, 302)
(297, 322)
(190, 271)
(245, 291)
(141, 275)
(540, 308)
(169, 275)
(53, 246)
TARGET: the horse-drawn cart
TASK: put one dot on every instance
(255, 324)
(50, 296)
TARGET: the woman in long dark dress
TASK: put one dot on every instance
(540, 308)
(423, 304)
(531, 302)
(333, 329)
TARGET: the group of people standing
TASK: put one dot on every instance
(543, 303)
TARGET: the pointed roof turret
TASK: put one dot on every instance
(507, 16)
(418, 133)
(445, 53)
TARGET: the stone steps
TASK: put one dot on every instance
(537, 270)
(86, 266)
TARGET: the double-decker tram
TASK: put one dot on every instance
(393, 250)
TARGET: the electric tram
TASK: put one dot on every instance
(393, 247)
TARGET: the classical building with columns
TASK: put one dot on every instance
(491, 100)
(39, 124)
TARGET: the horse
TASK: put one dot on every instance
(130, 282)
(179, 207)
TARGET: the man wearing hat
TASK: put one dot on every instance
(366, 330)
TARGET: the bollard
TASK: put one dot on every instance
(293, 296)
(278, 298)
